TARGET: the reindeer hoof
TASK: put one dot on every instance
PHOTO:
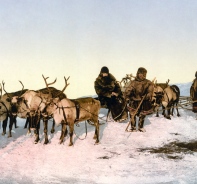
(9, 136)
(94, 137)
(61, 141)
(178, 115)
(70, 144)
(36, 141)
(97, 142)
(52, 131)
(3, 133)
(46, 141)
(167, 117)
(142, 129)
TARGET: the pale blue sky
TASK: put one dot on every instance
(76, 38)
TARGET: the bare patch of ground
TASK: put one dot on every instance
(173, 150)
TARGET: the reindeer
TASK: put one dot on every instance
(70, 112)
(157, 98)
(170, 99)
(32, 103)
(7, 108)
(124, 83)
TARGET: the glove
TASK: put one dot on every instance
(110, 88)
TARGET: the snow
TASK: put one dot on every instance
(120, 157)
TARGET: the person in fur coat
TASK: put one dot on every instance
(193, 93)
(110, 94)
(134, 94)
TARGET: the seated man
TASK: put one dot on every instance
(109, 94)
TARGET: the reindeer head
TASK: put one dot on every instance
(8, 101)
(52, 103)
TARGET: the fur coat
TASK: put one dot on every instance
(193, 94)
(135, 92)
(105, 86)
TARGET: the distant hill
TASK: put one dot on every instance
(184, 88)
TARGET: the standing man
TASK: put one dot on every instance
(193, 93)
(110, 95)
(139, 94)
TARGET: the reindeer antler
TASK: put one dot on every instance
(66, 85)
(0, 91)
(22, 88)
(4, 89)
(48, 84)
(167, 82)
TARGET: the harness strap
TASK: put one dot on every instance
(65, 119)
(167, 97)
(77, 109)
(5, 106)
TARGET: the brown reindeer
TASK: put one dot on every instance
(157, 97)
(170, 99)
(69, 112)
(31, 104)
(8, 110)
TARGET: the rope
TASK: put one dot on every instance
(180, 106)
(85, 110)
(121, 112)
(85, 135)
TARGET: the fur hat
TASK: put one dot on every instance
(104, 69)
(141, 70)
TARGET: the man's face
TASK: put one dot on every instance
(142, 76)
(105, 74)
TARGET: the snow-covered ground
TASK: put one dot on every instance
(165, 153)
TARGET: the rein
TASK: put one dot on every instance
(65, 119)
(180, 106)
(167, 97)
(83, 109)
(7, 111)
(121, 111)
(86, 132)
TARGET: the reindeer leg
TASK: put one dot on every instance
(64, 129)
(37, 136)
(71, 127)
(26, 122)
(45, 122)
(96, 135)
(37, 132)
(29, 127)
(62, 133)
(4, 125)
(157, 114)
(172, 112)
(15, 122)
(108, 114)
(177, 110)
(53, 127)
(163, 111)
(157, 111)
(168, 116)
(10, 126)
